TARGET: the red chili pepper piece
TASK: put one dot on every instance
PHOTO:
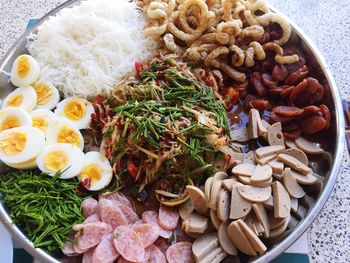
(132, 169)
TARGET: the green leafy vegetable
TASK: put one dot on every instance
(46, 208)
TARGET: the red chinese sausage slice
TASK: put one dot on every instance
(248, 101)
(280, 72)
(128, 244)
(90, 234)
(240, 86)
(313, 124)
(261, 104)
(69, 250)
(309, 111)
(293, 96)
(286, 91)
(268, 81)
(274, 117)
(292, 135)
(168, 217)
(151, 217)
(92, 219)
(89, 207)
(326, 114)
(105, 251)
(110, 213)
(148, 233)
(257, 84)
(180, 253)
(318, 89)
(287, 111)
(155, 255)
(87, 257)
(297, 76)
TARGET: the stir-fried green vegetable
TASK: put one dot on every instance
(165, 122)
(45, 208)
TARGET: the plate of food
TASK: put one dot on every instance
(165, 131)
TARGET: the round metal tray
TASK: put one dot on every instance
(314, 57)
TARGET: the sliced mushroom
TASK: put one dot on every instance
(262, 217)
(294, 163)
(304, 179)
(261, 173)
(269, 202)
(268, 150)
(262, 184)
(298, 154)
(214, 196)
(307, 146)
(198, 199)
(254, 194)
(185, 209)
(281, 200)
(225, 241)
(243, 169)
(291, 184)
(253, 124)
(254, 240)
(214, 219)
(239, 206)
(207, 188)
(290, 143)
(266, 159)
(240, 135)
(215, 256)
(239, 239)
(249, 158)
(223, 210)
(195, 223)
(277, 166)
(275, 135)
(203, 245)
(227, 183)
(280, 230)
(294, 204)
(220, 176)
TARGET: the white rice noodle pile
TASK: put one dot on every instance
(85, 50)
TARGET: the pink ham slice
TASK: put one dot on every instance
(69, 250)
(168, 217)
(129, 212)
(87, 257)
(105, 251)
(89, 207)
(94, 218)
(89, 235)
(116, 197)
(148, 233)
(145, 259)
(155, 255)
(180, 253)
(151, 217)
(110, 213)
(128, 244)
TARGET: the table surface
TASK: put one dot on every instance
(327, 22)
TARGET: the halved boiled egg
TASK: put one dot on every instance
(47, 95)
(62, 130)
(21, 144)
(97, 171)
(61, 157)
(25, 71)
(13, 117)
(24, 97)
(41, 118)
(76, 110)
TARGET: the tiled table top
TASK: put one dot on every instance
(327, 22)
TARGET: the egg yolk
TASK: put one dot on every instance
(68, 135)
(15, 100)
(23, 66)
(93, 172)
(43, 93)
(55, 160)
(40, 122)
(10, 122)
(13, 143)
(75, 109)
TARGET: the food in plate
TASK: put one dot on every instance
(188, 129)
(25, 71)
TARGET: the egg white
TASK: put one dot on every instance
(32, 75)
(29, 98)
(52, 100)
(75, 160)
(54, 128)
(44, 114)
(35, 141)
(82, 123)
(98, 159)
(21, 115)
